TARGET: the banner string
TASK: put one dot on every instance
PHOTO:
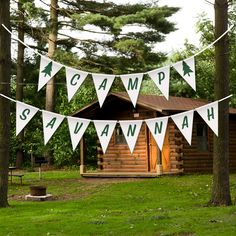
(195, 109)
(196, 54)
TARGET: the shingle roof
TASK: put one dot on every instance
(159, 103)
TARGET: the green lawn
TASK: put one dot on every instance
(161, 206)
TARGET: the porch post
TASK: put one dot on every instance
(82, 157)
(159, 163)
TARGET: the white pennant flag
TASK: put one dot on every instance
(184, 121)
(131, 130)
(161, 77)
(132, 83)
(186, 69)
(51, 122)
(102, 84)
(104, 130)
(77, 127)
(47, 70)
(24, 113)
(209, 113)
(158, 126)
(74, 79)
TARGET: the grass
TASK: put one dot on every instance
(161, 206)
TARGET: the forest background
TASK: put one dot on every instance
(113, 52)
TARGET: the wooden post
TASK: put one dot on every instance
(82, 156)
(159, 163)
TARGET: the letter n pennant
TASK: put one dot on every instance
(131, 129)
(186, 69)
(157, 127)
(132, 83)
(24, 113)
(209, 114)
(161, 77)
(104, 130)
(184, 121)
(74, 79)
(51, 122)
(102, 84)
(77, 127)
(47, 70)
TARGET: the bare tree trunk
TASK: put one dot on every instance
(5, 65)
(52, 44)
(20, 78)
(52, 40)
(221, 188)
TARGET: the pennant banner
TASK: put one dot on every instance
(131, 130)
(184, 121)
(48, 69)
(132, 83)
(161, 77)
(102, 84)
(51, 122)
(158, 126)
(74, 79)
(104, 131)
(186, 69)
(24, 113)
(209, 113)
(77, 127)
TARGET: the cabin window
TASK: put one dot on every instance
(119, 136)
(202, 137)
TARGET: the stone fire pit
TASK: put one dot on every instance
(38, 193)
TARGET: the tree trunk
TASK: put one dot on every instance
(5, 65)
(221, 188)
(19, 79)
(52, 40)
(52, 43)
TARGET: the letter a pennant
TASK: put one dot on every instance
(184, 121)
(74, 79)
(158, 126)
(102, 84)
(186, 69)
(131, 130)
(132, 83)
(209, 114)
(24, 113)
(51, 122)
(161, 77)
(47, 70)
(77, 127)
(104, 131)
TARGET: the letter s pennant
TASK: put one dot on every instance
(24, 113)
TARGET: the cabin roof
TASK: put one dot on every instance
(153, 102)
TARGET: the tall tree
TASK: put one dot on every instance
(5, 64)
(221, 188)
(52, 44)
(20, 76)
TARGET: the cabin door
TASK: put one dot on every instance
(155, 154)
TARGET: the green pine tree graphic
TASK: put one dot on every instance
(48, 69)
(186, 69)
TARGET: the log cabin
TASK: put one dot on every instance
(176, 157)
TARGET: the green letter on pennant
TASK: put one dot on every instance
(210, 114)
(52, 123)
(103, 84)
(158, 128)
(105, 130)
(131, 130)
(75, 77)
(24, 114)
(132, 86)
(77, 127)
(185, 122)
